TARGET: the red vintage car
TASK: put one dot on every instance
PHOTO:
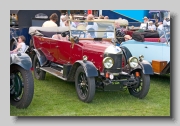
(87, 56)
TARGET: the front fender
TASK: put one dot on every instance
(21, 59)
(126, 52)
(88, 66)
(146, 67)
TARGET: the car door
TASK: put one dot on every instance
(152, 51)
(54, 50)
(63, 51)
(76, 52)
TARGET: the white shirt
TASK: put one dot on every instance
(94, 26)
(49, 24)
(73, 24)
(143, 26)
(166, 22)
(23, 47)
(62, 24)
(160, 27)
(152, 27)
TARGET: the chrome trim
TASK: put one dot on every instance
(60, 66)
(113, 50)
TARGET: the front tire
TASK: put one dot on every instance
(142, 88)
(38, 73)
(85, 86)
(21, 87)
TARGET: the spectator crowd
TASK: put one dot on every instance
(121, 25)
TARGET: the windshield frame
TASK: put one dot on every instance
(97, 21)
(166, 32)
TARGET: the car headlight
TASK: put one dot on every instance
(133, 62)
(108, 62)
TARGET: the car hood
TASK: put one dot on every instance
(95, 51)
(97, 46)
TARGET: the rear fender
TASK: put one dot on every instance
(41, 57)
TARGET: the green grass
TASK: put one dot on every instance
(55, 97)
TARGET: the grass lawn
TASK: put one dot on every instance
(55, 97)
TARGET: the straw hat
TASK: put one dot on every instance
(145, 17)
(151, 22)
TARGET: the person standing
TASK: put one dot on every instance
(92, 25)
(145, 24)
(52, 21)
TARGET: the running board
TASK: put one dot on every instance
(53, 72)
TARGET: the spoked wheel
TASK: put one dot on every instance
(85, 86)
(21, 87)
(142, 87)
(38, 73)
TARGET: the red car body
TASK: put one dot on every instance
(63, 52)
(90, 62)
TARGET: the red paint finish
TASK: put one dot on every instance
(63, 52)
(95, 51)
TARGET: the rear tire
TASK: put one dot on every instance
(38, 73)
(85, 86)
(23, 92)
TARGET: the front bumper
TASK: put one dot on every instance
(120, 81)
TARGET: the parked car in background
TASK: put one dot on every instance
(155, 50)
(88, 59)
(21, 80)
(22, 20)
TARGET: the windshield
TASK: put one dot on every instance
(92, 29)
(164, 34)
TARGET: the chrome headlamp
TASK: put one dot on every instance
(108, 62)
(133, 62)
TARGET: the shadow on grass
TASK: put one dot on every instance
(161, 78)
